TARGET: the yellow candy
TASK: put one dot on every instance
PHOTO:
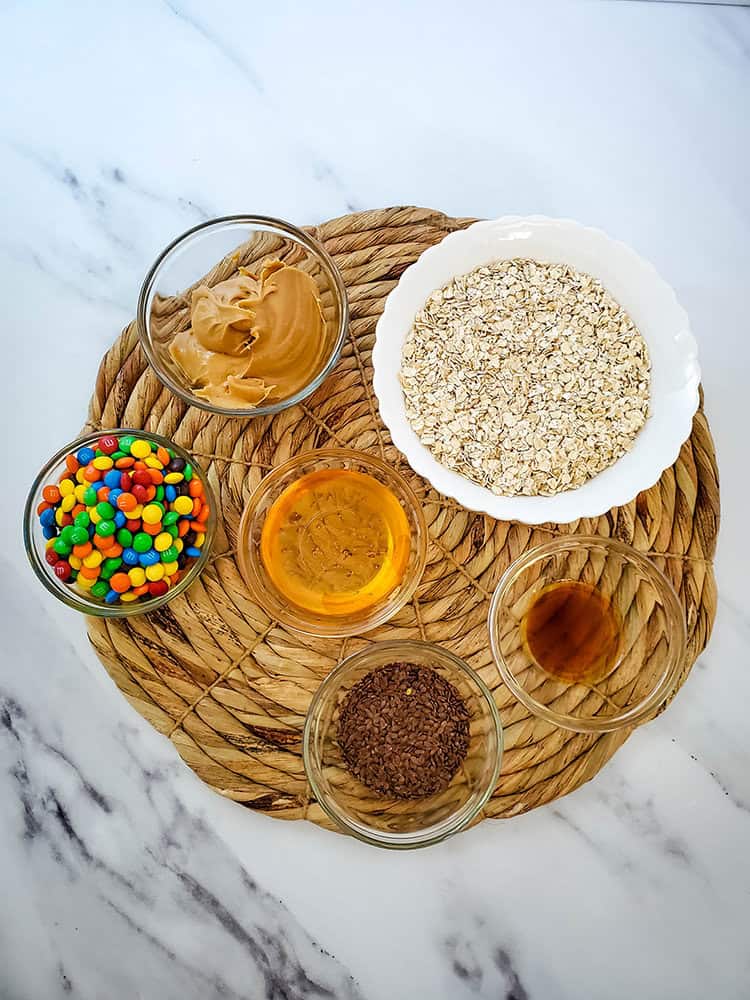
(162, 541)
(183, 505)
(199, 539)
(80, 476)
(93, 559)
(103, 463)
(128, 596)
(59, 515)
(137, 576)
(79, 492)
(84, 583)
(75, 562)
(169, 568)
(66, 487)
(151, 514)
(68, 503)
(155, 572)
(140, 448)
(94, 515)
(136, 511)
(179, 544)
(173, 477)
(49, 543)
(152, 462)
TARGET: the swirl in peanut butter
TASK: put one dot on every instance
(253, 338)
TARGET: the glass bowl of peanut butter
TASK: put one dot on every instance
(243, 316)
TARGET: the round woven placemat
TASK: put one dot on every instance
(230, 687)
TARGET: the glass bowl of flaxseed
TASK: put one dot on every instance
(403, 744)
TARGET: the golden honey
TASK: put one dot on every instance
(336, 542)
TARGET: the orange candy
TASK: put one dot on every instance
(43, 506)
(83, 550)
(102, 543)
(90, 474)
(156, 476)
(140, 591)
(113, 550)
(182, 528)
(195, 489)
(125, 463)
(120, 582)
(152, 529)
(89, 572)
(51, 494)
(72, 464)
(163, 455)
(126, 502)
(205, 511)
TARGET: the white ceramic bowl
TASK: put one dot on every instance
(635, 284)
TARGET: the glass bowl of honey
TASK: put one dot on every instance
(587, 633)
(333, 542)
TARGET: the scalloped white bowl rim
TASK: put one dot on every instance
(634, 283)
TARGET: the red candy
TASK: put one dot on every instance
(108, 444)
(142, 477)
(62, 570)
(140, 493)
(157, 588)
(52, 557)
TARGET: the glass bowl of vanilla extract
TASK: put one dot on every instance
(587, 633)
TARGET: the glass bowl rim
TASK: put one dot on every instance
(225, 222)
(451, 824)
(70, 598)
(675, 652)
(271, 479)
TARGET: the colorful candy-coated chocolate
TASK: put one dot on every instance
(124, 520)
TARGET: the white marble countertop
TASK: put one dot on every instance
(121, 126)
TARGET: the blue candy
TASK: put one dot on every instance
(97, 485)
(120, 518)
(112, 479)
(130, 557)
(47, 517)
(170, 493)
(86, 455)
(113, 495)
(192, 551)
(150, 558)
(49, 531)
(111, 597)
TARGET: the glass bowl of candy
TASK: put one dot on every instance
(333, 542)
(119, 522)
(403, 744)
(243, 316)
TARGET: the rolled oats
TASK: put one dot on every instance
(527, 378)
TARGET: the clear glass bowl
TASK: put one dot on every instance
(392, 822)
(211, 252)
(652, 634)
(36, 545)
(260, 583)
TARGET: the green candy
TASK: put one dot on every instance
(160, 495)
(106, 528)
(116, 455)
(142, 542)
(105, 510)
(169, 555)
(125, 442)
(80, 535)
(125, 537)
(82, 520)
(100, 589)
(172, 530)
(89, 497)
(171, 518)
(110, 566)
(61, 547)
(188, 472)
(67, 534)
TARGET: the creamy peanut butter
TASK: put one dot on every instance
(252, 337)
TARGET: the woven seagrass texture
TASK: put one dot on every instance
(230, 686)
